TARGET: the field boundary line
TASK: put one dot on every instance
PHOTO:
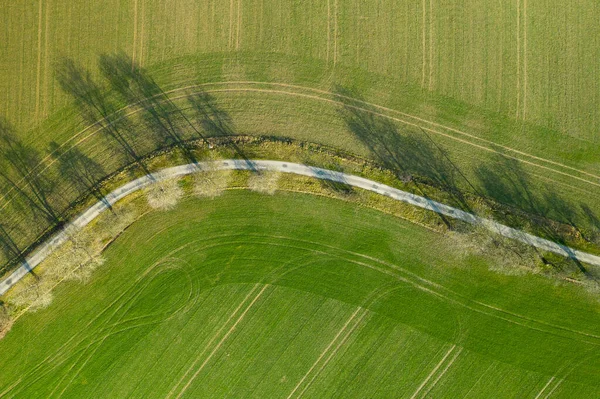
(218, 346)
(287, 167)
(426, 380)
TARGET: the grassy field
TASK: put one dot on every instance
(258, 296)
(486, 66)
(536, 61)
(293, 295)
(488, 81)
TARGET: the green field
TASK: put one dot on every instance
(268, 296)
(296, 295)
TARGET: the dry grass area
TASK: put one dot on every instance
(265, 182)
(164, 195)
(511, 257)
(211, 182)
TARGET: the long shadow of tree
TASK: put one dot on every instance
(76, 168)
(96, 108)
(417, 158)
(214, 121)
(18, 163)
(413, 157)
(508, 183)
(159, 114)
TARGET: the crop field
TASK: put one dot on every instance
(490, 82)
(489, 106)
(274, 304)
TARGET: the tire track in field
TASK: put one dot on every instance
(92, 347)
(431, 26)
(10, 388)
(117, 327)
(429, 122)
(492, 364)
(135, 29)
(544, 388)
(231, 7)
(46, 57)
(524, 22)
(127, 294)
(424, 41)
(518, 108)
(220, 343)
(408, 123)
(335, 32)
(439, 377)
(363, 312)
(49, 159)
(553, 389)
(426, 285)
(328, 30)
(373, 297)
(141, 39)
(435, 369)
(39, 60)
(239, 25)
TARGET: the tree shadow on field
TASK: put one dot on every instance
(19, 173)
(411, 156)
(508, 183)
(216, 123)
(97, 108)
(8, 246)
(159, 114)
(82, 172)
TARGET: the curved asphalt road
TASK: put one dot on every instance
(40, 254)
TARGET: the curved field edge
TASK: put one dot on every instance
(173, 280)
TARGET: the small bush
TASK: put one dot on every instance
(6, 321)
(265, 182)
(164, 195)
(211, 182)
(507, 256)
(35, 296)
